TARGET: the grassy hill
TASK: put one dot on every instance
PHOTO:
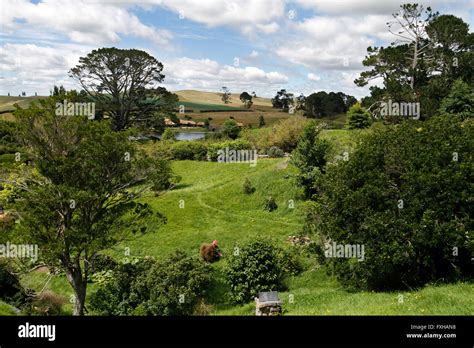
(197, 101)
(6, 103)
(215, 98)
(200, 101)
(216, 208)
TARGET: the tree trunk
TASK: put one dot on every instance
(79, 286)
(413, 66)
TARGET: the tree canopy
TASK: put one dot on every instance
(124, 82)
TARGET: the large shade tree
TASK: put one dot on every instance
(124, 83)
(79, 198)
(429, 53)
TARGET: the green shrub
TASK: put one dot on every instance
(358, 117)
(168, 134)
(310, 157)
(163, 177)
(189, 150)
(230, 129)
(100, 263)
(239, 144)
(460, 100)
(406, 195)
(11, 290)
(275, 152)
(258, 266)
(270, 204)
(175, 286)
(247, 187)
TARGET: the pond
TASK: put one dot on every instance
(190, 135)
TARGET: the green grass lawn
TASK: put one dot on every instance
(200, 106)
(216, 208)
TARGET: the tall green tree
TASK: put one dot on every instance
(430, 52)
(79, 198)
(246, 99)
(358, 117)
(124, 82)
(226, 95)
(283, 100)
(310, 157)
(460, 100)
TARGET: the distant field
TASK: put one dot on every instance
(215, 98)
(6, 103)
(200, 106)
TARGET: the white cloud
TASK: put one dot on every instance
(254, 54)
(313, 77)
(244, 15)
(206, 74)
(360, 7)
(32, 68)
(87, 22)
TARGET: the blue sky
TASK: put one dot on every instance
(254, 45)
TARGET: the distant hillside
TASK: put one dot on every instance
(6, 103)
(215, 98)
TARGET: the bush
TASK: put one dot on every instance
(460, 100)
(248, 188)
(310, 157)
(174, 287)
(275, 152)
(258, 266)
(406, 195)
(11, 290)
(47, 303)
(146, 287)
(100, 263)
(168, 134)
(270, 204)
(285, 134)
(231, 145)
(358, 117)
(163, 177)
(230, 129)
(189, 150)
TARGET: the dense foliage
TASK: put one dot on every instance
(258, 266)
(322, 104)
(146, 287)
(406, 194)
(358, 117)
(310, 157)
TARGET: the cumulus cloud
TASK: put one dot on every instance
(361, 7)
(244, 15)
(207, 74)
(87, 22)
(36, 68)
(313, 77)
